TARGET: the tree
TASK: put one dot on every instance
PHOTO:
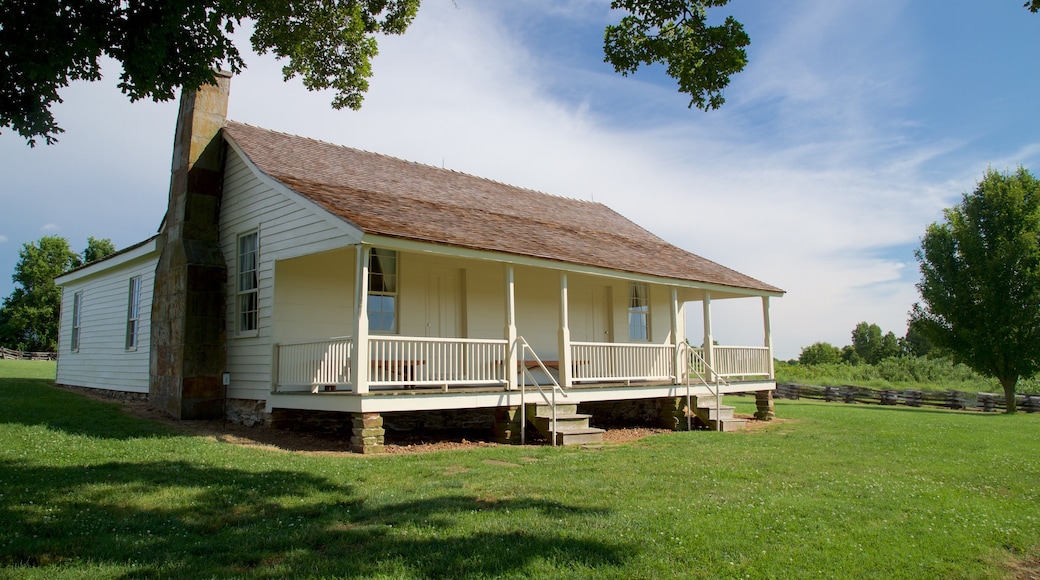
(701, 58)
(915, 343)
(819, 353)
(165, 44)
(330, 44)
(849, 355)
(871, 346)
(97, 249)
(980, 280)
(29, 316)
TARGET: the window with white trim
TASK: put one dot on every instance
(248, 282)
(133, 313)
(382, 291)
(638, 311)
(77, 313)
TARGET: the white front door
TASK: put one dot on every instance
(594, 313)
(444, 303)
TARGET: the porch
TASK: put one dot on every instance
(534, 333)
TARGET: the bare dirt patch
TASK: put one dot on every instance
(1025, 567)
(318, 444)
(754, 424)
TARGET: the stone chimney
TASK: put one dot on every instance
(188, 305)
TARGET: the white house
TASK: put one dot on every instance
(114, 298)
(356, 283)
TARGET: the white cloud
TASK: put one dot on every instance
(50, 228)
(804, 181)
(819, 175)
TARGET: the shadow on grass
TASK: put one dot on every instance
(173, 518)
(188, 519)
(39, 402)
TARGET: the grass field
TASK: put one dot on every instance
(831, 491)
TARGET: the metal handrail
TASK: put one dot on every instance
(691, 356)
(524, 348)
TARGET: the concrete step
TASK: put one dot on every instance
(711, 413)
(588, 435)
(725, 425)
(572, 428)
(562, 417)
(705, 400)
(563, 422)
(534, 410)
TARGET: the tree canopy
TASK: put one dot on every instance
(97, 249)
(915, 343)
(29, 316)
(166, 44)
(980, 280)
(699, 57)
(871, 345)
(330, 44)
(819, 353)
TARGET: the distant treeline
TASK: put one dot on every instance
(903, 372)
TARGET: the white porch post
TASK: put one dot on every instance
(769, 333)
(511, 348)
(675, 337)
(709, 348)
(359, 366)
(565, 336)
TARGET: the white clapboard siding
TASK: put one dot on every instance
(102, 360)
(288, 226)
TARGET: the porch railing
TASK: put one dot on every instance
(414, 361)
(313, 364)
(604, 361)
(741, 361)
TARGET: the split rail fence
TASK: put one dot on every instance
(6, 353)
(949, 399)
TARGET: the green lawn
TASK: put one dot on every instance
(831, 491)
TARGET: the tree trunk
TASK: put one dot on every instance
(1009, 393)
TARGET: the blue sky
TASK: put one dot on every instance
(852, 127)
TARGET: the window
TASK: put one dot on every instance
(133, 313)
(248, 281)
(77, 313)
(638, 311)
(382, 291)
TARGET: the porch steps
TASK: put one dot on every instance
(572, 427)
(716, 417)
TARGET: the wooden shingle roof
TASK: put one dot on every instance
(390, 197)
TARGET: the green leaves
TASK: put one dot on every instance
(980, 279)
(871, 346)
(329, 44)
(29, 316)
(819, 353)
(675, 33)
(167, 44)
